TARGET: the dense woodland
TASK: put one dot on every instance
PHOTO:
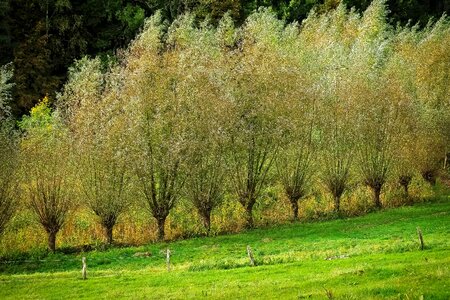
(43, 37)
(208, 126)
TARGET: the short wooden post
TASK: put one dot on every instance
(168, 259)
(84, 269)
(419, 233)
(250, 256)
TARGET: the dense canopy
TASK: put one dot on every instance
(43, 37)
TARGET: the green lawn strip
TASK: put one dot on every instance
(377, 276)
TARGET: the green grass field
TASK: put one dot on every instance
(376, 256)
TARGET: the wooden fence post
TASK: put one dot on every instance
(168, 259)
(84, 269)
(419, 233)
(250, 256)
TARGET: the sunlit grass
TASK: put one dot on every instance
(374, 256)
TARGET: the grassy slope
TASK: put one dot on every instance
(382, 248)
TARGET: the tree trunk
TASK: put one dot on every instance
(52, 241)
(337, 204)
(406, 188)
(376, 196)
(109, 234)
(161, 232)
(429, 176)
(207, 222)
(404, 181)
(294, 205)
(249, 215)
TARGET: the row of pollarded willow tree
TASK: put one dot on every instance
(192, 112)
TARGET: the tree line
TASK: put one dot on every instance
(192, 112)
(43, 37)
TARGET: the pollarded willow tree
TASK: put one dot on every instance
(296, 167)
(159, 112)
(296, 163)
(203, 50)
(401, 90)
(378, 112)
(405, 148)
(326, 42)
(92, 106)
(336, 143)
(46, 156)
(256, 127)
(375, 148)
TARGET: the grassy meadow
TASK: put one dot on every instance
(376, 256)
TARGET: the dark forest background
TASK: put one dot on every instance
(42, 38)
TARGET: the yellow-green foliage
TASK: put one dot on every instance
(224, 117)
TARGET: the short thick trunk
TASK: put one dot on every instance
(429, 176)
(404, 181)
(249, 217)
(52, 241)
(406, 188)
(207, 222)
(337, 204)
(161, 232)
(109, 234)
(376, 197)
(294, 205)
